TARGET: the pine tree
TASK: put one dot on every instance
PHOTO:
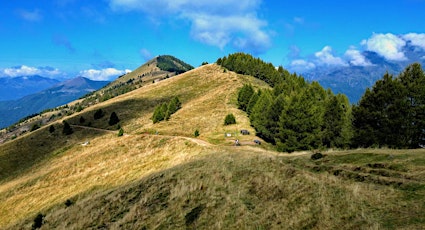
(159, 113)
(300, 123)
(258, 114)
(272, 115)
(380, 118)
(98, 114)
(336, 125)
(413, 82)
(172, 107)
(51, 129)
(244, 95)
(252, 101)
(113, 119)
(67, 130)
(82, 120)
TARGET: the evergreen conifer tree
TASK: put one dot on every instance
(67, 130)
(244, 96)
(113, 119)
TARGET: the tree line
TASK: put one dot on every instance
(300, 115)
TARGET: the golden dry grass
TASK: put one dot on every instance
(112, 161)
(172, 180)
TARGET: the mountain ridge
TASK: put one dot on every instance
(353, 80)
(151, 177)
(59, 94)
(13, 88)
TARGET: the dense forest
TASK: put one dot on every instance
(300, 115)
(172, 64)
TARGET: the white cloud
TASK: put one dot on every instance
(356, 58)
(29, 71)
(300, 65)
(103, 74)
(416, 39)
(387, 45)
(218, 23)
(325, 57)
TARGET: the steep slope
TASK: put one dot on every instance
(12, 88)
(159, 68)
(60, 94)
(159, 176)
(206, 93)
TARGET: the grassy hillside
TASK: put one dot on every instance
(155, 70)
(160, 176)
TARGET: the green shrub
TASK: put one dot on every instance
(230, 119)
(316, 156)
(52, 129)
(196, 134)
(121, 132)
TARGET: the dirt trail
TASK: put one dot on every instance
(244, 146)
(194, 140)
(92, 128)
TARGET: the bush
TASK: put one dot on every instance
(193, 215)
(230, 119)
(316, 156)
(82, 120)
(52, 129)
(121, 132)
(68, 202)
(196, 134)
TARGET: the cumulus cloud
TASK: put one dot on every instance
(301, 65)
(387, 45)
(356, 58)
(415, 39)
(217, 23)
(30, 15)
(24, 70)
(325, 57)
(103, 74)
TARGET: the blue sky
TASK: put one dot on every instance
(104, 38)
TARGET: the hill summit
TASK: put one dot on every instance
(187, 173)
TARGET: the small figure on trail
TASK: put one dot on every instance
(237, 142)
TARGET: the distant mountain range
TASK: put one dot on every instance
(354, 80)
(12, 88)
(13, 110)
